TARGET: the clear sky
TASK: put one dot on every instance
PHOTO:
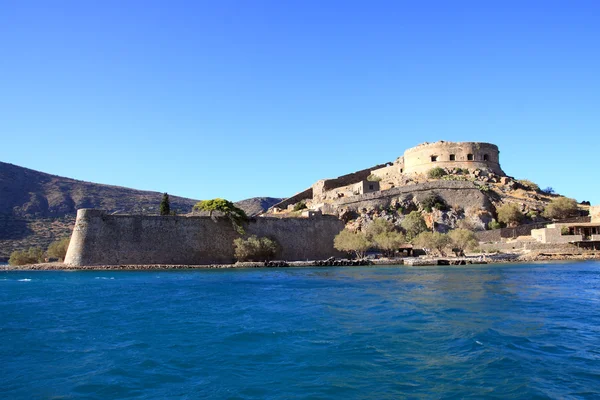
(238, 99)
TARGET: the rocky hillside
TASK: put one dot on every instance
(37, 208)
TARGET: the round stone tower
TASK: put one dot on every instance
(470, 155)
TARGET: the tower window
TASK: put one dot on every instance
(485, 157)
(452, 157)
(433, 158)
(470, 157)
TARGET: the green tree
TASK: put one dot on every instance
(510, 214)
(463, 239)
(255, 248)
(383, 235)
(413, 224)
(301, 205)
(165, 205)
(31, 256)
(433, 240)
(59, 248)
(561, 208)
(352, 242)
(236, 215)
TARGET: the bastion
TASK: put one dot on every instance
(469, 155)
(102, 239)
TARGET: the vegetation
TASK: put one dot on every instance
(236, 215)
(463, 239)
(31, 256)
(373, 178)
(528, 185)
(383, 235)
(549, 190)
(494, 225)
(433, 240)
(59, 248)
(352, 242)
(436, 173)
(301, 205)
(565, 231)
(561, 208)
(255, 248)
(510, 214)
(434, 201)
(165, 206)
(413, 224)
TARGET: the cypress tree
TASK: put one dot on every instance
(165, 206)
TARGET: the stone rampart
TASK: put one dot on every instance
(461, 193)
(304, 195)
(470, 155)
(102, 239)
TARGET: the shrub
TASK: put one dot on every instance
(434, 201)
(561, 208)
(352, 242)
(255, 248)
(493, 224)
(564, 231)
(436, 173)
(301, 205)
(31, 256)
(373, 178)
(59, 248)
(549, 190)
(413, 224)
(528, 185)
(433, 240)
(509, 214)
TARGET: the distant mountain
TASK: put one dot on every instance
(37, 208)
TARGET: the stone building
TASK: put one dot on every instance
(422, 158)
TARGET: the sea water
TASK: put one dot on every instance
(500, 331)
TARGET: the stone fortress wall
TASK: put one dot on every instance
(470, 155)
(102, 239)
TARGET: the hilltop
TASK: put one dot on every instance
(37, 208)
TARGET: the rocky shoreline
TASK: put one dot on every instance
(482, 259)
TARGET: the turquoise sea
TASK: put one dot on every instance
(500, 331)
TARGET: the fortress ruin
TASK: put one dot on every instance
(411, 167)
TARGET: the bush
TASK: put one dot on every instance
(59, 248)
(255, 248)
(352, 242)
(413, 224)
(509, 214)
(373, 178)
(436, 173)
(561, 208)
(494, 225)
(434, 201)
(301, 205)
(565, 231)
(528, 185)
(433, 240)
(549, 190)
(31, 256)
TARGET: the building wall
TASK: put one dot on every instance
(419, 159)
(102, 239)
(552, 234)
(595, 213)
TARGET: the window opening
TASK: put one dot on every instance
(433, 158)
(452, 157)
(485, 157)
(470, 157)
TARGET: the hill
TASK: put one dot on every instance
(37, 208)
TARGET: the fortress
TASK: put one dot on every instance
(409, 168)
(102, 239)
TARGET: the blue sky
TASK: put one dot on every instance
(238, 99)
